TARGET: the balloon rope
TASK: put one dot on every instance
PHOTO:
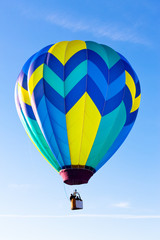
(65, 191)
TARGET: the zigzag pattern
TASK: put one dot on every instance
(77, 101)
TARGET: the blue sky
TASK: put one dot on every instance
(122, 200)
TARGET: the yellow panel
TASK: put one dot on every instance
(82, 125)
(91, 123)
(23, 95)
(35, 78)
(136, 104)
(74, 121)
(131, 85)
(58, 50)
(73, 47)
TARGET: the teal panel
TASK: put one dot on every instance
(98, 48)
(113, 56)
(40, 138)
(52, 159)
(109, 128)
(34, 126)
(75, 76)
(117, 143)
(53, 80)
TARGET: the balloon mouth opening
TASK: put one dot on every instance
(76, 176)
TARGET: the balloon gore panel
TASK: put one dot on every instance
(77, 101)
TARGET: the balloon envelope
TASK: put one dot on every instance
(77, 102)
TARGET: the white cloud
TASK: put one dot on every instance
(113, 31)
(108, 30)
(66, 23)
(112, 216)
(121, 205)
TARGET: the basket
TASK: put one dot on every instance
(76, 204)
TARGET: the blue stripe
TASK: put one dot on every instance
(116, 71)
(38, 92)
(127, 99)
(57, 115)
(75, 94)
(116, 86)
(41, 52)
(138, 89)
(97, 76)
(54, 97)
(122, 57)
(136, 80)
(47, 129)
(99, 62)
(27, 110)
(55, 65)
(27, 64)
(130, 70)
(131, 117)
(74, 61)
(41, 109)
(39, 60)
(43, 88)
(48, 132)
(113, 103)
(59, 131)
(95, 94)
(22, 79)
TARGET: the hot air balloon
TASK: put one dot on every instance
(77, 101)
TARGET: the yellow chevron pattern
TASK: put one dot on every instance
(91, 122)
(132, 87)
(35, 78)
(23, 95)
(136, 103)
(64, 50)
(58, 50)
(71, 109)
(74, 47)
(82, 124)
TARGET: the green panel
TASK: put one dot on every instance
(53, 80)
(75, 76)
(109, 128)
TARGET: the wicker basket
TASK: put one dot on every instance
(76, 204)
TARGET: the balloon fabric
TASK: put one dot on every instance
(77, 101)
